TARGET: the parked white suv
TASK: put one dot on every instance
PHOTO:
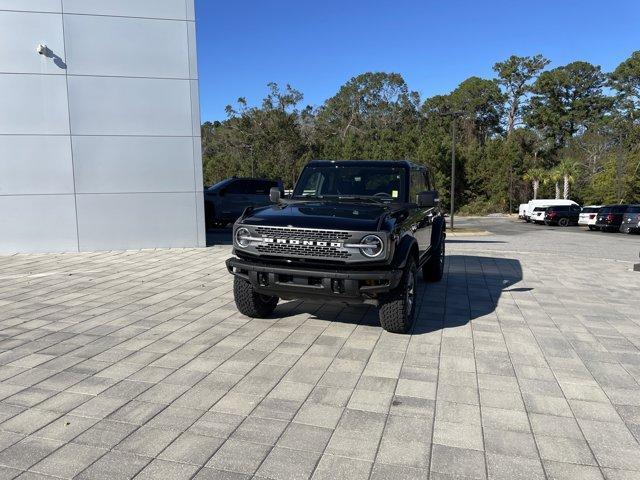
(537, 216)
(588, 216)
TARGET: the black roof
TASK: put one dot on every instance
(368, 163)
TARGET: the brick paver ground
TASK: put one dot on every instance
(123, 364)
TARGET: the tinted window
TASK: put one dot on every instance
(238, 186)
(590, 209)
(417, 184)
(539, 209)
(560, 208)
(633, 209)
(613, 209)
(219, 185)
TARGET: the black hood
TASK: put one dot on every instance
(320, 214)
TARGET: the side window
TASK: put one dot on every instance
(238, 186)
(314, 185)
(417, 184)
(427, 180)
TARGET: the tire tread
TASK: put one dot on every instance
(251, 303)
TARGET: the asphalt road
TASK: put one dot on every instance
(510, 234)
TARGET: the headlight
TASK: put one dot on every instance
(371, 246)
(242, 237)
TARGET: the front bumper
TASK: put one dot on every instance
(350, 286)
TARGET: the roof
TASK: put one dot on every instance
(368, 163)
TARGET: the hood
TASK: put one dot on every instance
(328, 215)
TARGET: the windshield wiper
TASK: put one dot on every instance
(357, 198)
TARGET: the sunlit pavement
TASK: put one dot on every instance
(524, 363)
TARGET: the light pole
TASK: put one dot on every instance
(453, 167)
(454, 117)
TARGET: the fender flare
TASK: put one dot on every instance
(438, 230)
(407, 246)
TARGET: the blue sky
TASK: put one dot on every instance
(317, 45)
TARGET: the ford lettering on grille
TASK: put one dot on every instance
(302, 242)
(309, 243)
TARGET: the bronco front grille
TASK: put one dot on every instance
(303, 234)
(300, 250)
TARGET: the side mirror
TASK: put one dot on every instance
(274, 195)
(428, 198)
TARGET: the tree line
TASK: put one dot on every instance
(572, 131)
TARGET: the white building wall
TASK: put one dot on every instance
(100, 140)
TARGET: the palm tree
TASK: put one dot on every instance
(554, 176)
(567, 169)
(534, 175)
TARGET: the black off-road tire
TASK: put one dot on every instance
(433, 270)
(563, 222)
(251, 303)
(396, 313)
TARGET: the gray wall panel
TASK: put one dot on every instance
(139, 220)
(33, 104)
(174, 9)
(141, 47)
(133, 164)
(35, 164)
(32, 5)
(38, 223)
(197, 161)
(195, 108)
(200, 221)
(129, 106)
(20, 35)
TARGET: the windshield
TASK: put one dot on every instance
(590, 209)
(378, 183)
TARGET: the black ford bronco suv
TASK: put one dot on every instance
(352, 232)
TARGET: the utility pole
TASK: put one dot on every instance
(453, 167)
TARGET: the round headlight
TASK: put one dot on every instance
(242, 237)
(371, 246)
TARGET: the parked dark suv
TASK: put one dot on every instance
(563, 215)
(609, 217)
(225, 201)
(352, 232)
(631, 220)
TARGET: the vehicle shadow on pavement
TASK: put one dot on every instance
(470, 289)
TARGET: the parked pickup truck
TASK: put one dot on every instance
(351, 232)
